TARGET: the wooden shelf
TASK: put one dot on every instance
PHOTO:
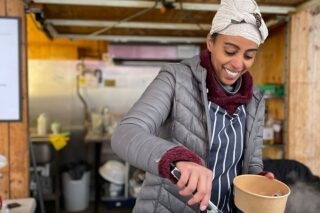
(278, 146)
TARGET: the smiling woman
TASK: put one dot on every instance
(203, 116)
(231, 56)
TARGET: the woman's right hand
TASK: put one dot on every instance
(197, 180)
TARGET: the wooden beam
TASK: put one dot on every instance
(130, 24)
(309, 4)
(303, 90)
(19, 146)
(14, 135)
(4, 138)
(4, 150)
(148, 4)
(121, 38)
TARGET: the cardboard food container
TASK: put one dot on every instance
(256, 193)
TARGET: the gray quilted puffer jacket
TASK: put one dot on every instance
(173, 112)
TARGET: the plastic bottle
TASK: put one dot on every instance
(278, 132)
(42, 123)
(268, 133)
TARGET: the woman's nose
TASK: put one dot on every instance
(237, 64)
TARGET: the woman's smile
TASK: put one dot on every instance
(230, 74)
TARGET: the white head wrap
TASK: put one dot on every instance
(240, 18)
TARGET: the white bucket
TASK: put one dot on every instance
(76, 192)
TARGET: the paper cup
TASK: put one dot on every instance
(256, 193)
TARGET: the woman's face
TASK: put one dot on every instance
(231, 56)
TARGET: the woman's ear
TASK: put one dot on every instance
(209, 43)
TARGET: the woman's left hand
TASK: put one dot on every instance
(267, 174)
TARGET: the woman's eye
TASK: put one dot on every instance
(229, 53)
(248, 57)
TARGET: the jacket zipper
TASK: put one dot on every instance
(251, 145)
(205, 101)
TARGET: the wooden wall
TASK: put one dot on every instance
(269, 68)
(14, 135)
(304, 89)
(269, 63)
(41, 47)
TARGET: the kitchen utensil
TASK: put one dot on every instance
(43, 152)
(211, 208)
(256, 193)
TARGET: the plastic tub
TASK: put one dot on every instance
(76, 192)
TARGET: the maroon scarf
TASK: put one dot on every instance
(217, 95)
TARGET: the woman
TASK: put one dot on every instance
(202, 115)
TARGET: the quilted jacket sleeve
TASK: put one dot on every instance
(256, 164)
(135, 140)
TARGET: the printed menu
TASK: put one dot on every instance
(9, 69)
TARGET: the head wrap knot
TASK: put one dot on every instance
(240, 18)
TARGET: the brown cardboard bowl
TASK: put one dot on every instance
(256, 193)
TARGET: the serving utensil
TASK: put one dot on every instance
(211, 208)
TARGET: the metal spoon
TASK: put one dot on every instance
(211, 208)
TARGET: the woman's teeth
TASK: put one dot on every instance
(233, 74)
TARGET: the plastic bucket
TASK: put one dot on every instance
(76, 192)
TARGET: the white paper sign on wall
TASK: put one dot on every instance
(10, 88)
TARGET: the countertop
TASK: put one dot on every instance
(27, 205)
(93, 137)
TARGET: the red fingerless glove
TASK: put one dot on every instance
(173, 155)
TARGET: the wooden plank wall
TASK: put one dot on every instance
(269, 67)
(14, 135)
(269, 63)
(304, 89)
